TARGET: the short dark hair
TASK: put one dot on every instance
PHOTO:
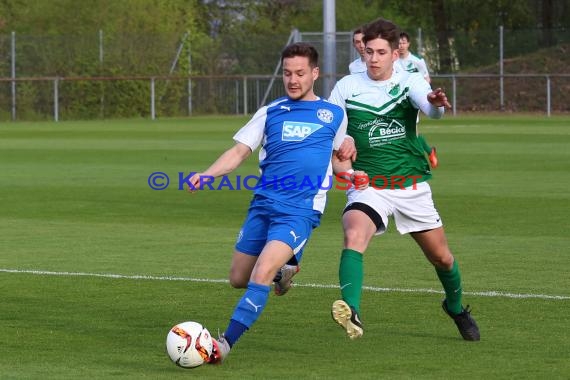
(357, 30)
(384, 29)
(301, 49)
(405, 35)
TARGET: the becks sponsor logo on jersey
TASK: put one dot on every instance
(392, 131)
(382, 131)
(298, 131)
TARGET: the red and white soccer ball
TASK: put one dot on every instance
(189, 344)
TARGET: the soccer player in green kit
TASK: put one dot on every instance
(382, 105)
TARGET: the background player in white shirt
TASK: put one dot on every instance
(408, 61)
(358, 65)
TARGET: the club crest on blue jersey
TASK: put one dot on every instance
(298, 131)
(325, 115)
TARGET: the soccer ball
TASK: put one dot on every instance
(189, 344)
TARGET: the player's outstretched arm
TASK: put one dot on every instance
(226, 163)
(431, 102)
(438, 98)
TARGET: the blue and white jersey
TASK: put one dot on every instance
(297, 139)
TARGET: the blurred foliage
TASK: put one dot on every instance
(113, 38)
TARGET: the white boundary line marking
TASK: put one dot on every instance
(491, 293)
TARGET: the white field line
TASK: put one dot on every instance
(490, 293)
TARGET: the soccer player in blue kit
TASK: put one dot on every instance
(298, 135)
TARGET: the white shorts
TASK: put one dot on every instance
(412, 208)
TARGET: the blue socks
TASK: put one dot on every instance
(247, 311)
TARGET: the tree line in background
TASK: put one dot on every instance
(109, 38)
(240, 33)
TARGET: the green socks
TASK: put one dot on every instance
(351, 277)
(351, 274)
(451, 281)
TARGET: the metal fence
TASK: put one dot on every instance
(59, 98)
(161, 54)
(486, 51)
(109, 76)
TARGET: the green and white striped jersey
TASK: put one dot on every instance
(413, 63)
(382, 119)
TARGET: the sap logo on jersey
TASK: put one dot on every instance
(298, 131)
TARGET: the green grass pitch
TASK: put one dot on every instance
(95, 266)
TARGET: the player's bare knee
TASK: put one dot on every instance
(355, 239)
(263, 274)
(444, 262)
(238, 281)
